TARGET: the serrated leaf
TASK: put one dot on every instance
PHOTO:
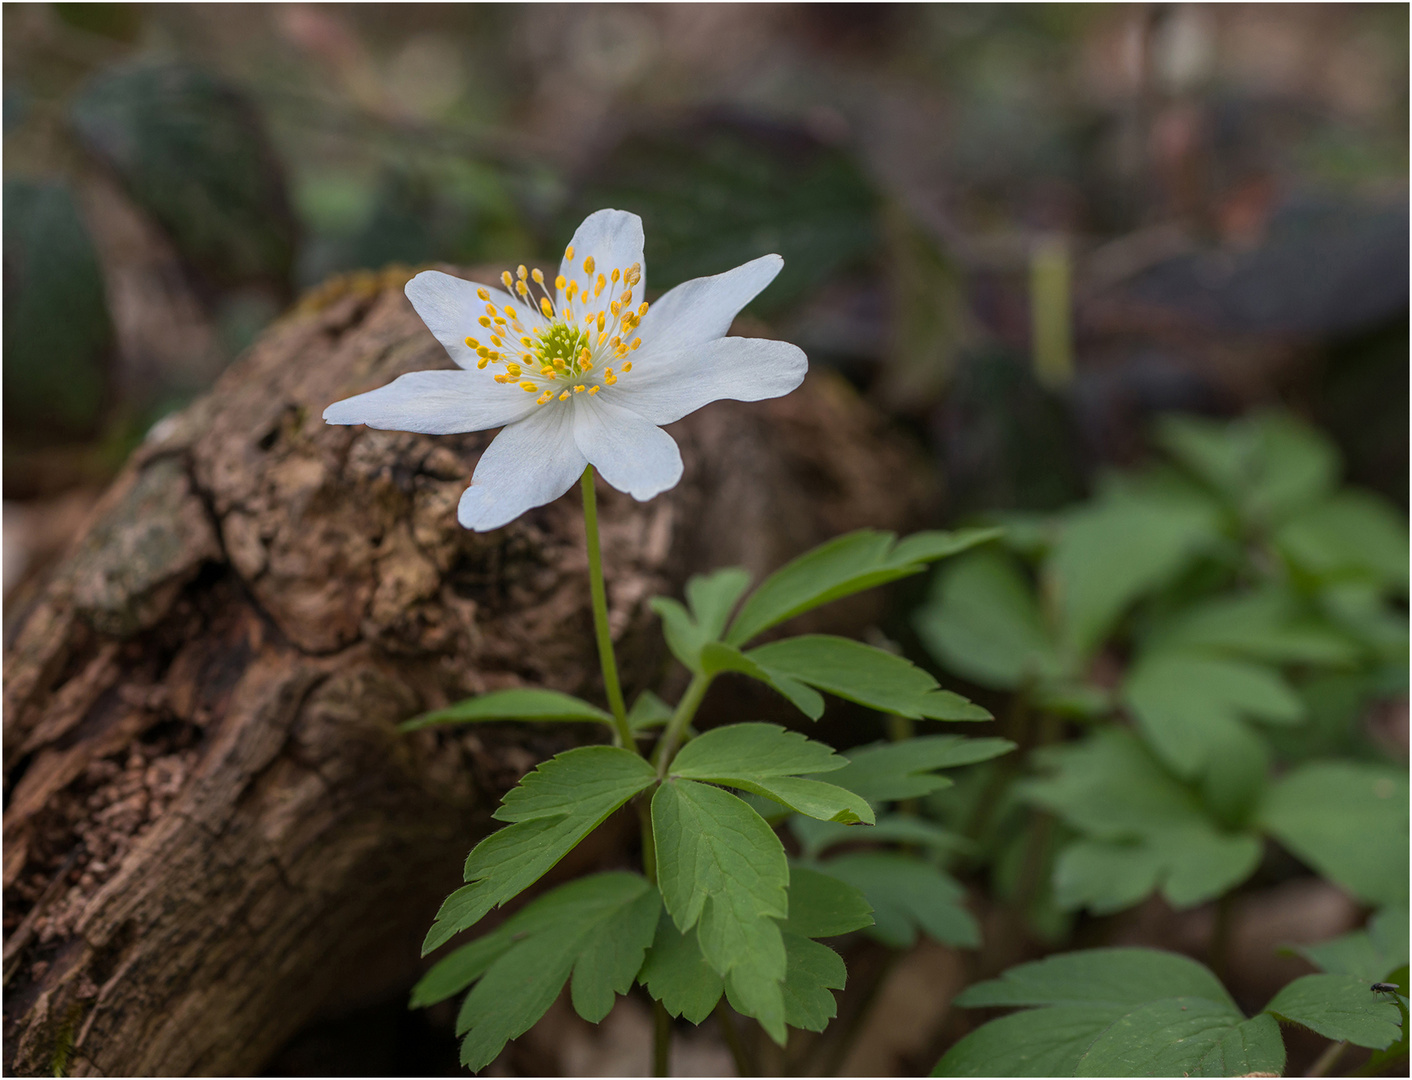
(1339, 1007)
(752, 990)
(845, 565)
(1115, 976)
(597, 928)
(762, 759)
(982, 622)
(816, 837)
(1116, 550)
(1104, 876)
(887, 771)
(551, 810)
(812, 971)
(1266, 626)
(676, 974)
(1348, 820)
(1184, 1037)
(455, 972)
(721, 869)
(849, 669)
(1187, 705)
(711, 598)
(821, 905)
(1042, 1042)
(648, 712)
(1371, 953)
(907, 895)
(716, 657)
(946, 705)
(1352, 536)
(523, 704)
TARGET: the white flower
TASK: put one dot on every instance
(578, 370)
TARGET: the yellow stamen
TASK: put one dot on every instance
(482, 362)
(601, 320)
(538, 276)
(507, 279)
(635, 344)
(603, 336)
(572, 289)
(522, 272)
(628, 366)
(588, 265)
(569, 252)
(483, 294)
(483, 321)
(560, 282)
(528, 387)
(600, 285)
(546, 307)
(580, 388)
(615, 277)
(564, 396)
(593, 390)
(491, 309)
(472, 343)
(545, 398)
(522, 288)
(642, 309)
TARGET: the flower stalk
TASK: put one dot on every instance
(599, 594)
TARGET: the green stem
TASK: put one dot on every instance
(661, 1040)
(677, 725)
(600, 614)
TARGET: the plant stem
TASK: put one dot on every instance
(661, 1040)
(731, 1034)
(676, 726)
(600, 614)
(1327, 1060)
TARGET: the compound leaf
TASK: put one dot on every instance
(812, 971)
(851, 670)
(676, 974)
(821, 905)
(907, 896)
(520, 704)
(886, 771)
(716, 657)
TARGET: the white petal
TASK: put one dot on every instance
(450, 307)
(527, 465)
(435, 403)
(614, 239)
(633, 454)
(703, 308)
(665, 387)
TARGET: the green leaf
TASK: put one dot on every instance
(1120, 977)
(1266, 626)
(1044, 1042)
(1352, 536)
(676, 974)
(762, 759)
(716, 657)
(648, 712)
(1339, 1007)
(816, 837)
(551, 810)
(849, 669)
(1113, 552)
(1348, 820)
(843, 566)
(886, 771)
(1371, 954)
(525, 704)
(711, 598)
(907, 895)
(821, 905)
(982, 622)
(455, 972)
(1133, 815)
(946, 705)
(1185, 1037)
(752, 990)
(597, 928)
(812, 971)
(721, 869)
(1187, 705)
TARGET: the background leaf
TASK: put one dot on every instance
(518, 704)
(1339, 1007)
(907, 896)
(851, 670)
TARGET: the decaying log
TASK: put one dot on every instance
(213, 830)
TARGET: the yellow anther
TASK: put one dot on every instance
(483, 294)
(547, 369)
(626, 298)
(500, 323)
(584, 356)
(617, 343)
(512, 370)
(588, 265)
(492, 310)
(580, 388)
(560, 282)
(634, 274)
(501, 379)
(614, 307)
(545, 398)
(538, 276)
(507, 279)
(472, 343)
(642, 309)
(496, 341)
(522, 288)
(614, 277)
(572, 289)
(509, 311)
(610, 378)
(564, 396)
(522, 271)
(528, 387)
(600, 320)
(546, 307)
(569, 252)
(527, 342)
(482, 362)
(593, 390)
(635, 344)
(628, 366)
(600, 285)
(559, 365)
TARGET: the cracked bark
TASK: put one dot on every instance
(213, 832)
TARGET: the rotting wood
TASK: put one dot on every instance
(213, 830)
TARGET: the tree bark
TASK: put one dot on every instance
(213, 830)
